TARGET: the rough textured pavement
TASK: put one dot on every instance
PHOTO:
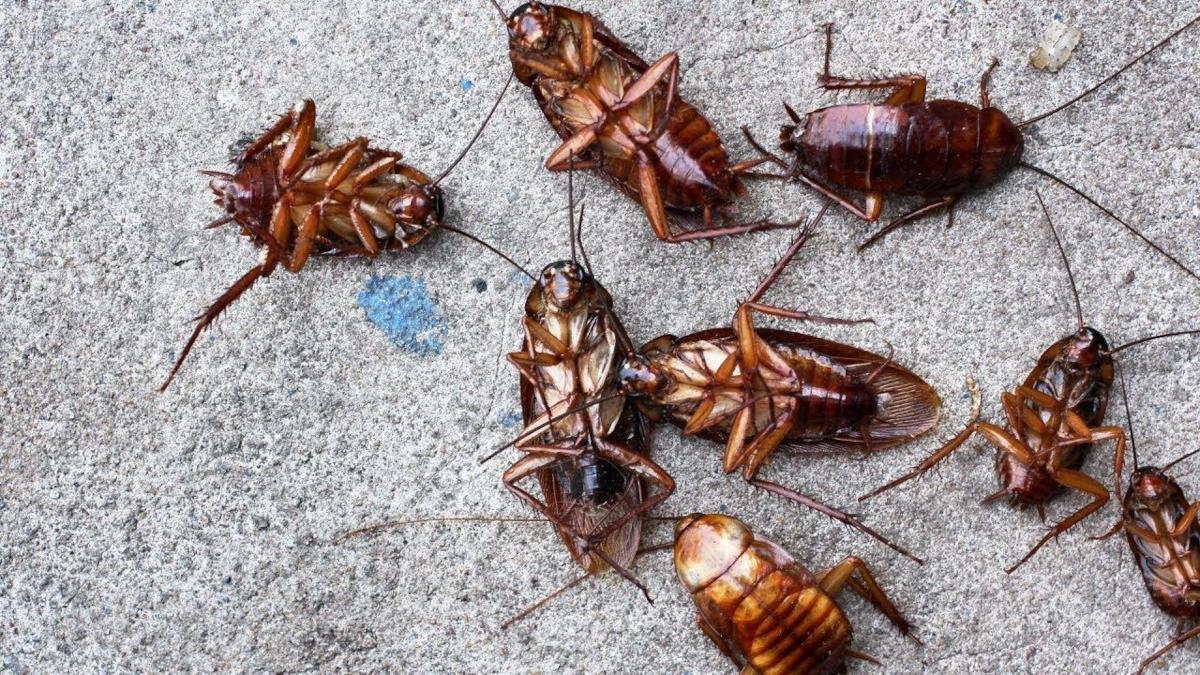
(192, 530)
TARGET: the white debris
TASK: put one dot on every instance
(1058, 41)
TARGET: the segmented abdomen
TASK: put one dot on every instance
(831, 400)
(932, 148)
(779, 619)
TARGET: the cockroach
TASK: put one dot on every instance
(765, 611)
(759, 390)
(938, 150)
(1160, 525)
(625, 119)
(1054, 420)
(297, 198)
(587, 447)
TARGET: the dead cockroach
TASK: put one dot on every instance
(624, 118)
(939, 150)
(1164, 537)
(760, 390)
(587, 447)
(1054, 420)
(297, 199)
(765, 611)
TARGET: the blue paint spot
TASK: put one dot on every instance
(149, 6)
(518, 277)
(510, 419)
(466, 84)
(402, 308)
(1058, 16)
(293, 41)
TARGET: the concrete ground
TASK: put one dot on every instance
(191, 530)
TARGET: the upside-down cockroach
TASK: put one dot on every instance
(759, 390)
(1054, 420)
(765, 611)
(587, 447)
(297, 198)
(1164, 536)
(624, 118)
(938, 150)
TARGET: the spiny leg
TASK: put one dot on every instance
(909, 88)
(298, 146)
(834, 579)
(286, 122)
(205, 320)
(841, 516)
(985, 99)
(545, 600)
(1075, 480)
(910, 217)
(643, 467)
(1175, 643)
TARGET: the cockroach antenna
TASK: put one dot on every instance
(500, 10)
(478, 133)
(1128, 417)
(571, 206)
(491, 248)
(549, 422)
(1062, 252)
(1151, 338)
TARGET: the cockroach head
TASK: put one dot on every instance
(1086, 349)
(1153, 488)
(563, 283)
(706, 546)
(639, 377)
(419, 205)
(530, 26)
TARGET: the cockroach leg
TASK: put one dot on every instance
(1075, 480)
(644, 467)
(298, 146)
(666, 67)
(985, 98)
(862, 656)
(840, 516)
(262, 142)
(364, 230)
(205, 320)
(546, 600)
(917, 213)
(1177, 642)
(767, 154)
(305, 238)
(909, 88)
(932, 461)
(833, 580)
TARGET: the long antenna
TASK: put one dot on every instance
(391, 525)
(1128, 417)
(547, 423)
(1112, 215)
(1173, 463)
(1063, 253)
(1108, 79)
(503, 15)
(571, 205)
(489, 247)
(477, 133)
(1152, 338)
(579, 237)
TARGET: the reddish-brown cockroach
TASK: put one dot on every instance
(1054, 419)
(587, 447)
(764, 610)
(297, 199)
(760, 390)
(624, 118)
(938, 150)
(1164, 537)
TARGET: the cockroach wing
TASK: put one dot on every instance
(621, 546)
(908, 406)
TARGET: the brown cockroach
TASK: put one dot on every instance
(765, 611)
(297, 199)
(1164, 536)
(587, 447)
(624, 118)
(938, 150)
(1054, 420)
(759, 390)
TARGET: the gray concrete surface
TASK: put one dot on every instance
(191, 530)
